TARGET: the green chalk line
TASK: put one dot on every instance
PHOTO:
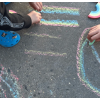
(90, 43)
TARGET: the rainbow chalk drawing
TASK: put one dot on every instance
(56, 54)
(11, 11)
(58, 10)
(42, 35)
(58, 22)
(64, 23)
(95, 14)
(80, 63)
(11, 81)
(95, 53)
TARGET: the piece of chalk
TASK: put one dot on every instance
(91, 43)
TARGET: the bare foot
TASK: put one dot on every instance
(36, 5)
(35, 17)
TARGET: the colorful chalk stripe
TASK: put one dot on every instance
(58, 22)
(59, 10)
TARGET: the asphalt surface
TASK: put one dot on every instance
(49, 70)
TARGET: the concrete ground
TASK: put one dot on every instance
(49, 70)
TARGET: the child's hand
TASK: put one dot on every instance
(35, 17)
(36, 5)
(94, 33)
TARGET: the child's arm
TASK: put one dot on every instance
(94, 33)
(13, 22)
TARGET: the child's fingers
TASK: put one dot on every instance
(39, 14)
(40, 3)
(40, 18)
(98, 39)
(90, 34)
(39, 6)
(36, 6)
(93, 27)
(95, 37)
(38, 21)
(94, 33)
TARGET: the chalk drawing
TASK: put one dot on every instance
(2, 92)
(80, 63)
(12, 11)
(58, 22)
(58, 10)
(95, 14)
(11, 81)
(13, 84)
(95, 54)
(45, 53)
(51, 92)
(42, 35)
